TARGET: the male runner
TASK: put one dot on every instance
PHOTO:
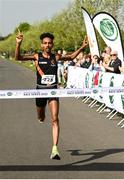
(46, 67)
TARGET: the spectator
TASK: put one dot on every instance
(66, 65)
(106, 60)
(87, 62)
(107, 52)
(115, 63)
(78, 60)
(121, 69)
(96, 64)
(60, 70)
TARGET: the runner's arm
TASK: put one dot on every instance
(75, 54)
(18, 56)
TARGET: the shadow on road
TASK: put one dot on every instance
(96, 154)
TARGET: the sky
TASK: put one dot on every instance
(14, 12)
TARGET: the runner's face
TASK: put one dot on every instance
(47, 44)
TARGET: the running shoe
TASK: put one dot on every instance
(55, 153)
(41, 121)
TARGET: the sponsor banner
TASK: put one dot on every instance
(115, 97)
(99, 97)
(119, 98)
(108, 81)
(97, 82)
(109, 30)
(90, 33)
(46, 93)
(76, 79)
(109, 86)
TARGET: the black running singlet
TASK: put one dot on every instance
(49, 69)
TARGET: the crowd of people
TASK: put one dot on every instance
(107, 62)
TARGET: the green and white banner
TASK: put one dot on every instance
(108, 88)
(109, 30)
(94, 50)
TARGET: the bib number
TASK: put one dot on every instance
(48, 79)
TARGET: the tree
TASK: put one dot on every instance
(23, 27)
(67, 26)
(94, 6)
(120, 15)
(1, 38)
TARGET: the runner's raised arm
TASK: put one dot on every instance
(75, 54)
(18, 56)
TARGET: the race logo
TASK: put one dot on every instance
(92, 83)
(9, 93)
(111, 97)
(100, 84)
(109, 29)
(87, 80)
(100, 81)
(95, 91)
(53, 92)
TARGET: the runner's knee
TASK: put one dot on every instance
(55, 119)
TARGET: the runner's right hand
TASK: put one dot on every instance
(19, 38)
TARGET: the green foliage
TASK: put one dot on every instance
(67, 26)
(8, 44)
(95, 6)
(23, 27)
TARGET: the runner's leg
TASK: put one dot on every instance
(54, 110)
(40, 106)
(40, 113)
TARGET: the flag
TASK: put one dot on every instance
(109, 30)
(90, 33)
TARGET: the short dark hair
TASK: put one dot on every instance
(44, 35)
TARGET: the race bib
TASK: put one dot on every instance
(48, 79)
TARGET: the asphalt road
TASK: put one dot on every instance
(91, 146)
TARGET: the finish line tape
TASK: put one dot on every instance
(46, 93)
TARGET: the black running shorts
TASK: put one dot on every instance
(42, 102)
